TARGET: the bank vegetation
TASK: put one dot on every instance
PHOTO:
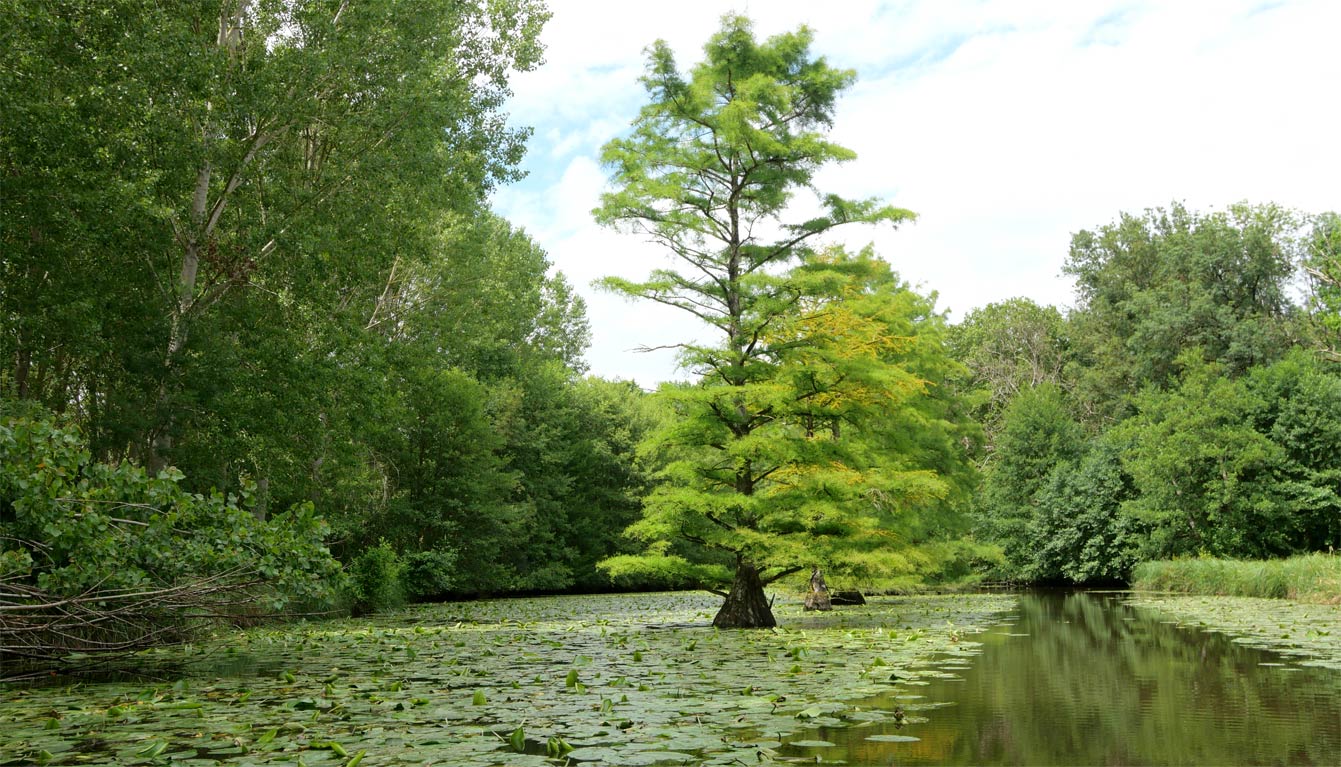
(1304, 578)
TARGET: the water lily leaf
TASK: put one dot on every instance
(652, 757)
(593, 754)
(153, 749)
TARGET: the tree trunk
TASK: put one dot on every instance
(21, 368)
(818, 598)
(261, 507)
(745, 607)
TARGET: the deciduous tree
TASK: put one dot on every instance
(712, 164)
(1152, 287)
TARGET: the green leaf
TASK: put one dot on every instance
(517, 740)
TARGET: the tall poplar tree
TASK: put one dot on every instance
(709, 171)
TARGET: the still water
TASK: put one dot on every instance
(1082, 678)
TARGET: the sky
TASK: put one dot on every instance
(1005, 125)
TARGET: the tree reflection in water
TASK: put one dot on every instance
(1081, 678)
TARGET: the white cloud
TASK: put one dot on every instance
(1006, 125)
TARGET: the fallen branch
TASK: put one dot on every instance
(39, 627)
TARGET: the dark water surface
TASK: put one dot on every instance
(1084, 679)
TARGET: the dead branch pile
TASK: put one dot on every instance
(39, 627)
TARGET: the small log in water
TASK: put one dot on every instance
(847, 598)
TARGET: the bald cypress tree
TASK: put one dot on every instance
(709, 171)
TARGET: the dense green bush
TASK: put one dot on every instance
(135, 546)
(1079, 532)
(90, 526)
(1037, 433)
(1237, 467)
(429, 575)
(375, 580)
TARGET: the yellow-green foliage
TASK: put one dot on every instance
(1308, 577)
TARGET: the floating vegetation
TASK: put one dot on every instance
(1310, 633)
(618, 680)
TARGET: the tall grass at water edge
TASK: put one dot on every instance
(1306, 578)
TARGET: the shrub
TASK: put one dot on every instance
(106, 557)
(429, 574)
(375, 580)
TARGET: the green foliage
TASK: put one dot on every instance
(731, 144)
(771, 460)
(648, 570)
(510, 473)
(1079, 531)
(1154, 287)
(865, 360)
(742, 133)
(375, 580)
(843, 466)
(1322, 264)
(519, 484)
(1009, 347)
(226, 163)
(1307, 577)
(1037, 435)
(452, 479)
(1232, 467)
(596, 444)
(296, 285)
(74, 526)
(1302, 415)
(942, 564)
(1184, 418)
(429, 575)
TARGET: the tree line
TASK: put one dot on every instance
(254, 302)
(247, 248)
(1188, 403)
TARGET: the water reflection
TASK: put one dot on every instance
(1081, 678)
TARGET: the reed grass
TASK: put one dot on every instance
(1305, 578)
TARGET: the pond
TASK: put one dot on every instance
(1086, 678)
(1060, 678)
